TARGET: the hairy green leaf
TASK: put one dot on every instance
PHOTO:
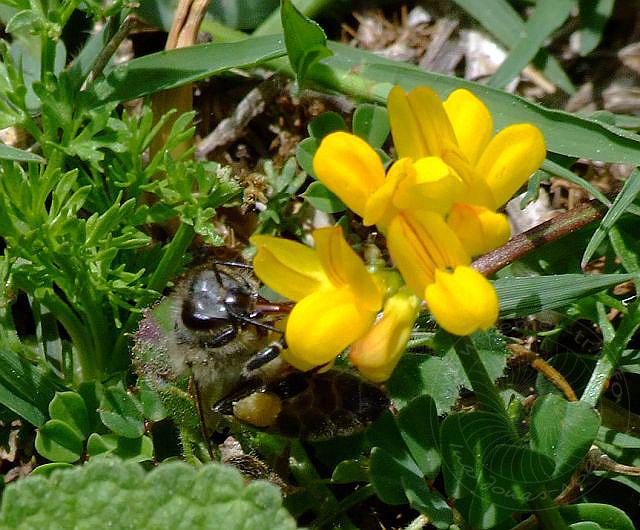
(119, 495)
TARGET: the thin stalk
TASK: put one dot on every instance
(487, 393)
(483, 387)
(610, 358)
(47, 55)
(130, 23)
(547, 513)
(522, 244)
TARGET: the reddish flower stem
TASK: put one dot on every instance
(551, 230)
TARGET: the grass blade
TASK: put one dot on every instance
(522, 296)
(169, 69)
(505, 24)
(624, 199)
(12, 153)
(548, 16)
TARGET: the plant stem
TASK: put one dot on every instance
(487, 393)
(483, 387)
(552, 230)
(611, 353)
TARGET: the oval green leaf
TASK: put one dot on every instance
(69, 408)
(58, 442)
(121, 413)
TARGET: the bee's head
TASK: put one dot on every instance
(216, 297)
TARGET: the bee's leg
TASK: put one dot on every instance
(265, 355)
(195, 389)
(244, 388)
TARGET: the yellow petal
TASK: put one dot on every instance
(462, 302)
(345, 268)
(323, 324)
(379, 208)
(405, 130)
(349, 167)
(510, 159)
(479, 229)
(471, 122)
(434, 124)
(433, 185)
(376, 354)
(420, 242)
(289, 268)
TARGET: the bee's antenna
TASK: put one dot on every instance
(254, 322)
(234, 264)
(217, 273)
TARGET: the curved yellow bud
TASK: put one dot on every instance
(376, 354)
(462, 302)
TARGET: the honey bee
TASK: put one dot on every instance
(214, 335)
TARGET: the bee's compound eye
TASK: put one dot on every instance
(238, 301)
(203, 309)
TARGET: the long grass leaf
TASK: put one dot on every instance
(522, 296)
(505, 24)
(621, 204)
(548, 16)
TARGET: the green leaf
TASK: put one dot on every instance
(349, 471)
(59, 442)
(564, 431)
(324, 124)
(121, 413)
(371, 123)
(442, 377)
(136, 449)
(427, 501)
(480, 462)
(624, 199)
(593, 15)
(321, 198)
(12, 153)
(548, 16)
(69, 408)
(47, 469)
(521, 296)
(304, 154)
(25, 388)
(625, 244)
(503, 22)
(607, 516)
(564, 133)
(169, 69)
(305, 40)
(152, 406)
(419, 428)
(108, 493)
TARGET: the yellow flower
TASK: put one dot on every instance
(459, 132)
(377, 353)
(337, 298)
(437, 204)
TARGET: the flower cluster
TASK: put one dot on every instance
(437, 206)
